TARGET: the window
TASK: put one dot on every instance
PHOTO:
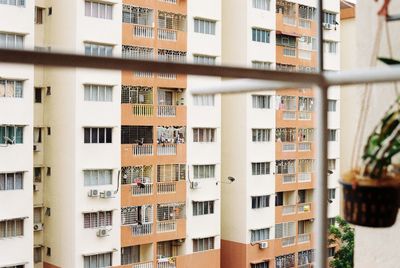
(97, 219)
(203, 134)
(130, 255)
(171, 172)
(203, 244)
(285, 135)
(98, 260)
(98, 135)
(261, 101)
(204, 171)
(98, 10)
(261, 168)
(264, 264)
(170, 211)
(203, 100)
(97, 177)
(331, 221)
(92, 49)
(11, 134)
(331, 164)
(136, 134)
(37, 215)
(331, 251)
(285, 166)
(331, 194)
(37, 135)
(11, 228)
(261, 4)
(332, 134)
(37, 254)
(38, 95)
(330, 47)
(305, 257)
(37, 174)
(98, 93)
(260, 35)
(202, 59)
(259, 235)
(261, 135)
(171, 55)
(11, 88)
(172, 21)
(137, 15)
(204, 26)
(306, 104)
(260, 201)
(264, 65)
(137, 215)
(332, 105)
(329, 18)
(134, 52)
(203, 208)
(48, 251)
(285, 229)
(11, 181)
(306, 12)
(39, 15)
(11, 40)
(13, 2)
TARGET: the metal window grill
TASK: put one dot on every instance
(171, 55)
(171, 172)
(137, 174)
(171, 21)
(137, 94)
(137, 15)
(135, 52)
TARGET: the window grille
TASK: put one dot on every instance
(136, 174)
(130, 255)
(329, 18)
(171, 21)
(306, 134)
(261, 101)
(285, 67)
(92, 49)
(263, 65)
(170, 211)
(11, 228)
(306, 104)
(259, 235)
(11, 88)
(97, 219)
(264, 264)
(137, 215)
(285, 134)
(286, 40)
(285, 229)
(137, 15)
(134, 52)
(286, 103)
(260, 35)
(308, 13)
(137, 95)
(136, 134)
(306, 165)
(13, 2)
(203, 134)
(285, 261)
(171, 172)
(285, 167)
(171, 55)
(202, 59)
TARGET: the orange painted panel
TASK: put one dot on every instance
(49, 265)
(205, 259)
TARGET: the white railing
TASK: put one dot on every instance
(303, 238)
(166, 187)
(145, 149)
(168, 76)
(169, 1)
(288, 147)
(166, 226)
(290, 52)
(304, 207)
(143, 31)
(288, 178)
(146, 189)
(166, 34)
(166, 110)
(289, 20)
(305, 115)
(305, 146)
(289, 115)
(304, 177)
(143, 74)
(166, 263)
(305, 54)
(289, 209)
(147, 264)
(144, 229)
(166, 149)
(288, 241)
(143, 110)
(304, 23)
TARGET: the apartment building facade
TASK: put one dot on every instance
(268, 214)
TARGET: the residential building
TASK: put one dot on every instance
(268, 137)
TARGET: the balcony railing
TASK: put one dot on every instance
(169, 1)
(288, 178)
(304, 23)
(143, 74)
(288, 147)
(305, 146)
(289, 209)
(146, 189)
(166, 263)
(304, 207)
(288, 241)
(145, 149)
(166, 34)
(146, 110)
(289, 20)
(143, 31)
(144, 229)
(289, 115)
(147, 264)
(304, 177)
(166, 149)
(166, 226)
(166, 187)
(305, 115)
(167, 76)
(166, 110)
(303, 238)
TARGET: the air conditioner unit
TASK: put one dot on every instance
(194, 185)
(37, 227)
(93, 193)
(263, 245)
(107, 194)
(102, 232)
(35, 187)
(327, 26)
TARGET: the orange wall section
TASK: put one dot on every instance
(49, 265)
(204, 259)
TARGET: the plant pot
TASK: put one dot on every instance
(368, 202)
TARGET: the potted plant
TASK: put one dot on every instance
(371, 194)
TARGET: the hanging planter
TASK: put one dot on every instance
(371, 194)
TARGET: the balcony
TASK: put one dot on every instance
(288, 178)
(167, 76)
(166, 111)
(304, 177)
(304, 207)
(147, 264)
(166, 187)
(288, 241)
(305, 115)
(144, 229)
(304, 23)
(288, 209)
(303, 238)
(289, 147)
(140, 150)
(167, 35)
(166, 263)
(143, 31)
(166, 149)
(304, 146)
(166, 226)
(289, 115)
(143, 189)
(146, 110)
